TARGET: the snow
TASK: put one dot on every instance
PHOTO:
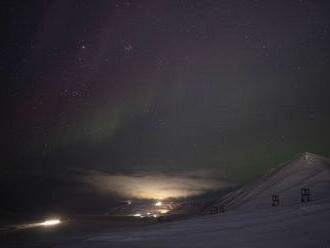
(249, 220)
(304, 227)
(308, 170)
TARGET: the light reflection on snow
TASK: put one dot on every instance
(51, 222)
(46, 223)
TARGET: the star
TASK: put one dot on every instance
(128, 48)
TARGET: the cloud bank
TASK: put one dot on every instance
(155, 186)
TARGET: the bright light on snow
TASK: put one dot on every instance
(51, 222)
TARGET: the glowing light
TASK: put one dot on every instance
(158, 204)
(155, 216)
(138, 215)
(129, 202)
(51, 222)
(163, 211)
(155, 187)
(46, 223)
(148, 213)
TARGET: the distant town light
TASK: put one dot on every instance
(51, 222)
(163, 211)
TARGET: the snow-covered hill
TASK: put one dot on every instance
(306, 171)
(249, 219)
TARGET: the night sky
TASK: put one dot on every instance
(197, 91)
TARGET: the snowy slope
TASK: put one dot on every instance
(250, 221)
(307, 170)
(278, 227)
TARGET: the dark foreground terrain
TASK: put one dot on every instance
(249, 219)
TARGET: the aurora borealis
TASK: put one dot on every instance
(166, 87)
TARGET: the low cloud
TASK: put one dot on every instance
(155, 186)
